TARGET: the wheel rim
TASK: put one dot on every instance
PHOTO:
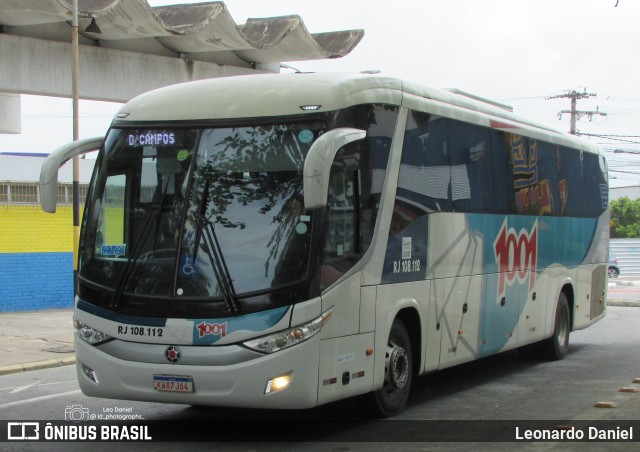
(397, 366)
(562, 329)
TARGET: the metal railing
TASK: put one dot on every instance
(27, 194)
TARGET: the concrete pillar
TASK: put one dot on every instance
(10, 113)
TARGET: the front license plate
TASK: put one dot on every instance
(172, 383)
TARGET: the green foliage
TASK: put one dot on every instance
(625, 218)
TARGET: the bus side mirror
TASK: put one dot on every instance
(317, 165)
(49, 170)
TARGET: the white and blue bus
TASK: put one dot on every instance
(288, 240)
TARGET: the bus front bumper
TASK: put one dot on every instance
(238, 384)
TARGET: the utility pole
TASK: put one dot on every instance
(76, 161)
(574, 112)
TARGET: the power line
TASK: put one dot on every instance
(624, 112)
(626, 146)
(607, 135)
(623, 98)
(609, 138)
(522, 98)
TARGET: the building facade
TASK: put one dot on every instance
(36, 248)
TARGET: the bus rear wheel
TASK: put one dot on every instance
(398, 371)
(555, 348)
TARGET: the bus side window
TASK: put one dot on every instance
(570, 176)
(596, 190)
(110, 240)
(425, 171)
(469, 156)
(341, 248)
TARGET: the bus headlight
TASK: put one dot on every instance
(89, 334)
(287, 338)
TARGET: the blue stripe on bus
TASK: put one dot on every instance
(559, 242)
(205, 331)
(209, 331)
(547, 241)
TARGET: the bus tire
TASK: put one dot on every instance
(398, 371)
(555, 347)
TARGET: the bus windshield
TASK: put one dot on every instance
(198, 213)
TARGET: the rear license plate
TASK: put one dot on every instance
(172, 383)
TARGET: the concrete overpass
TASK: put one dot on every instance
(128, 47)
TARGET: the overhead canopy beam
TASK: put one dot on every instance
(41, 67)
(128, 47)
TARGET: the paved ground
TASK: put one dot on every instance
(36, 339)
(40, 339)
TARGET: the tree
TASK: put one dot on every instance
(625, 218)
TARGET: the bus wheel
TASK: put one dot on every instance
(398, 369)
(555, 348)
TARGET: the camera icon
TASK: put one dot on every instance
(76, 413)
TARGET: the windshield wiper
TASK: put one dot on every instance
(206, 229)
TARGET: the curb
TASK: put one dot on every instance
(625, 303)
(627, 283)
(46, 364)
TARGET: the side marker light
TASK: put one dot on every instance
(278, 383)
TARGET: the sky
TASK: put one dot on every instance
(525, 53)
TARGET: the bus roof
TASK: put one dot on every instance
(262, 95)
